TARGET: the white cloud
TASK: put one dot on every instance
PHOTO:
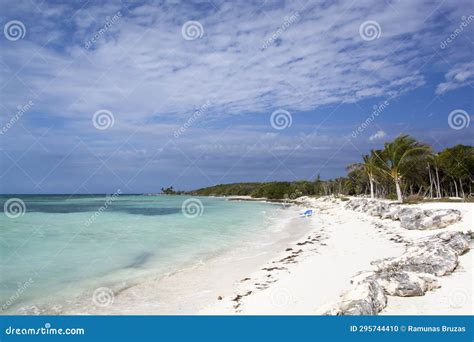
(152, 80)
(378, 135)
(459, 76)
(142, 67)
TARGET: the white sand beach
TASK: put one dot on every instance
(310, 275)
(301, 266)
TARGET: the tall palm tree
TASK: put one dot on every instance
(399, 156)
(434, 161)
(370, 167)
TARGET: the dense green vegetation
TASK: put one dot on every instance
(272, 190)
(403, 169)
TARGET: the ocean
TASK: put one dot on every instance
(55, 249)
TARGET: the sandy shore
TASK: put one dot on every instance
(299, 266)
(192, 288)
(311, 272)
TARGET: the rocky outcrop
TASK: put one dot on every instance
(429, 219)
(439, 261)
(436, 255)
(457, 241)
(406, 284)
(411, 274)
(365, 297)
(409, 217)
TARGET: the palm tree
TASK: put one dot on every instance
(457, 163)
(399, 156)
(370, 168)
(433, 160)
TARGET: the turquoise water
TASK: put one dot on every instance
(58, 247)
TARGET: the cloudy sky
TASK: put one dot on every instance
(137, 95)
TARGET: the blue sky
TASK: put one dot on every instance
(214, 72)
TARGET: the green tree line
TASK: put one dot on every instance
(404, 167)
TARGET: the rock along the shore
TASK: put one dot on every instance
(411, 274)
(410, 218)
